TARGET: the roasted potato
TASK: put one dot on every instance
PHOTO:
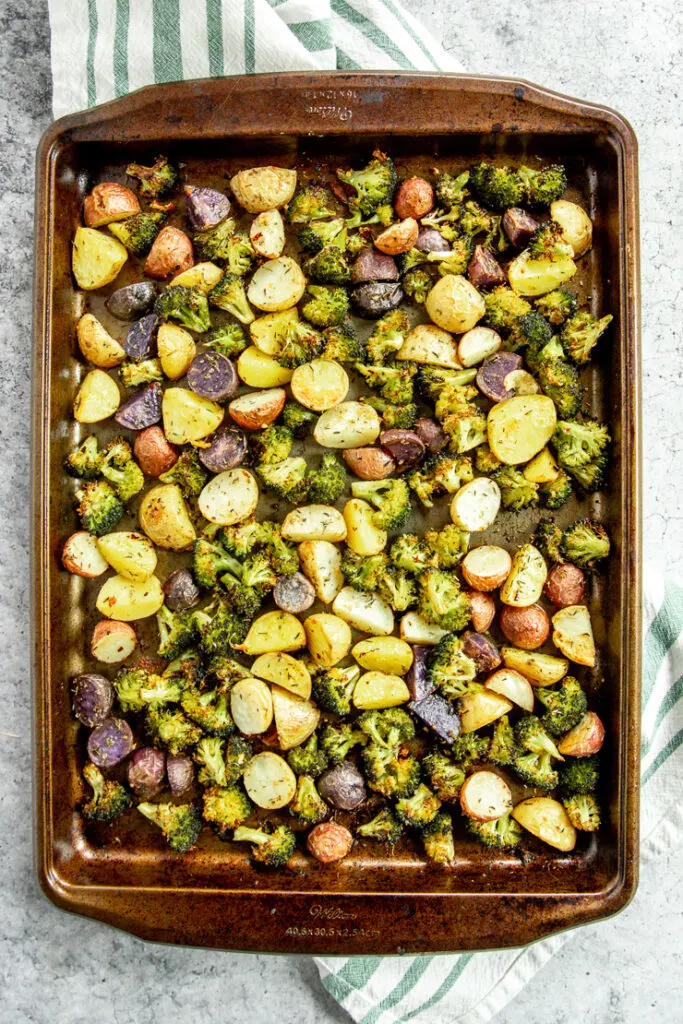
(258, 409)
(295, 718)
(251, 706)
(277, 284)
(285, 671)
(367, 613)
(267, 234)
(376, 690)
(97, 399)
(171, 254)
(165, 519)
(573, 634)
(329, 842)
(125, 601)
(512, 685)
(230, 497)
(576, 225)
(524, 585)
(539, 669)
(314, 522)
(527, 627)
(82, 556)
(542, 469)
(273, 631)
(482, 609)
(96, 258)
(258, 189)
(112, 642)
(269, 781)
(202, 276)
(486, 567)
(321, 562)
(176, 349)
(415, 629)
(482, 650)
(481, 708)
(475, 505)
(485, 796)
(429, 344)
(268, 332)
(454, 304)
(348, 425)
(478, 344)
(585, 738)
(546, 819)
(520, 427)
(320, 384)
(97, 345)
(259, 370)
(109, 202)
(398, 237)
(493, 376)
(189, 417)
(142, 409)
(132, 555)
(153, 452)
(328, 639)
(369, 463)
(565, 585)
(363, 537)
(538, 277)
(294, 593)
(414, 198)
(385, 654)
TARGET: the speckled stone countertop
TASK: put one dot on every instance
(58, 969)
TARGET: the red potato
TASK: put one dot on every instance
(414, 198)
(171, 254)
(369, 463)
(482, 610)
(482, 650)
(565, 585)
(485, 796)
(398, 237)
(372, 265)
(512, 685)
(329, 842)
(258, 409)
(82, 557)
(113, 642)
(527, 628)
(153, 452)
(584, 739)
(109, 202)
(486, 567)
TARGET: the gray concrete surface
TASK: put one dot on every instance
(64, 970)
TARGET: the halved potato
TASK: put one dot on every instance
(520, 427)
(363, 537)
(267, 234)
(295, 719)
(546, 819)
(277, 284)
(524, 585)
(176, 348)
(513, 685)
(487, 567)
(202, 276)
(251, 706)
(285, 671)
(187, 416)
(455, 304)
(320, 384)
(375, 690)
(576, 225)
(328, 638)
(82, 556)
(539, 669)
(268, 332)
(112, 642)
(230, 497)
(585, 739)
(273, 631)
(125, 601)
(96, 258)
(97, 345)
(485, 796)
(348, 425)
(415, 629)
(481, 708)
(384, 654)
(258, 189)
(538, 277)
(429, 344)
(314, 522)
(573, 634)
(269, 781)
(109, 202)
(165, 519)
(98, 398)
(478, 344)
(542, 469)
(321, 563)
(258, 409)
(475, 505)
(132, 555)
(259, 370)
(367, 613)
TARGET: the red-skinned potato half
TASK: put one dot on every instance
(584, 739)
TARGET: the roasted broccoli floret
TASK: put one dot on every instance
(441, 600)
(273, 849)
(437, 838)
(312, 202)
(401, 416)
(328, 306)
(583, 811)
(238, 754)
(129, 684)
(557, 306)
(543, 187)
(210, 560)
(393, 382)
(497, 187)
(455, 261)
(418, 283)
(451, 670)
(502, 749)
(419, 809)
(179, 823)
(287, 479)
(559, 379)
(300, 344)
(565, 705)
(240, 256)
(451, 190)
(208, 754)
(85, 460)
(284, 557)
(412, 554)
(388, 336)
(209, 709)
(390, 498)
(444, 473)
(532, 330)
(389, 772)
(374, 185)
(578, 444)
(580, 335)
(337, 740)
(384, 827)
(272, 444)
(516, 492)
(485, 461)
(450, 545)
(557, 492)
(504, 308)
(585, 542)
(334, 688)
(230, 294)
(186, 305)
(99, 507)
(225, 807)
(462, 421)
(329, 266)
(120, 470)
(315, 236)
(215, 243)
(220, 628)
(549, 245)
(138, 232)
(228, 339)
(591, 477)
(172, 729)
(188, 473)
(134, 375)
(500, 834)
(298, 418)
(547, 538)
(176, 632)
(343, 344)
(363, 572)
(327, 482)
(474, 220)
(445, 777)
(387, 728)
(431, 380)
(109, 798)
(307, 805)
(580, 775)
(533, 763)
(308, 758)
(469, 748)
(398, 588)
(156, 180)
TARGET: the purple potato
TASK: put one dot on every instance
(342, 786)
(140, 341)
(484, 270)
(213, 376)
(146, 771)
(293, 593)
(110, 743)
(431, 434)
(431, 240)
(417, 678)
(403, 445)
(92, 697)
(132, 301)
(205, 207)
(181, 591)
(492, 373)
(518, 225)
(482, 650)
(227, 449)
(142, 409)
(179, 772)
(373, 265)
(439, 715)
(374, 299)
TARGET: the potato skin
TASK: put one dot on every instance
(565, 585)
(153, 452)
(483, 610)
(398, 237)
(258, 189)
(97, 345)
(369, 463)
(258, 409)
(414, 198)
(329, 842)
(527, 628)
(109, 202)
(164, 518)
(171, 254)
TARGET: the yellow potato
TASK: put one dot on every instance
(176, 349)
(165, 519)
(539, 669)
(251, 706)
(415, 629)
(328, 639)
(320, 384)
(277, 284)
(268, 331)
(274, 631)
(384, 654)
(230, 497)
(188, 417)
(576, 225)
(546, 819)
(524, 584)
(363, 536)
(285, 671)
(481, 708)
(429, 344)
(321, 563)
(97, 345)
(376, 690)
(269, 781)
(348, 425)
(520, 427)
(125, 601)
(259, 370)
(537, 277)
(96, 258)
(258, 189)
(132, 555)
(573, 634)
(314, 522)
(295, 719)
(542, 469)
(368, 613)
(98, 398)
(202, 276)
(455, 304)
(267, 234)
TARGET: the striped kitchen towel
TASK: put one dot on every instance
(102, 49)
